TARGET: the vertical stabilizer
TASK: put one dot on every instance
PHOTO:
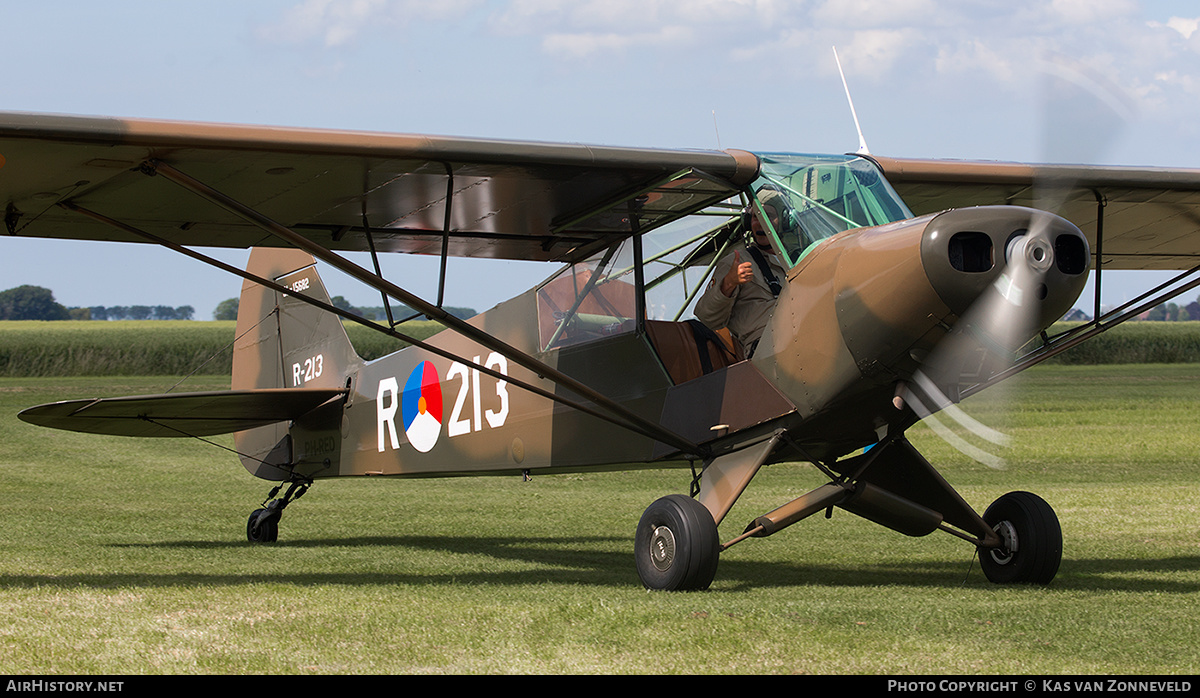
(284, 342)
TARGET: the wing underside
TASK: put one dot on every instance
(412, 194)
(1151, 216)
(354, 191)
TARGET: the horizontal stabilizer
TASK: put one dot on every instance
(180, 414)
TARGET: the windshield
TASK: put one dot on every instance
(803, 199)
(807, 198)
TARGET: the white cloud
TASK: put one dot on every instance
(585, 45)
(861, 14)
(1186, 27)
(1091, 11)
(975, 57)
(334, 23)
(972, 41)
(632, 16)
(876, 52)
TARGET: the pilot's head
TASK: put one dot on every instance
(773, 204)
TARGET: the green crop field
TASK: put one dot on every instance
(148, 347)
(127, 556)
(127, 347)
(176, 348)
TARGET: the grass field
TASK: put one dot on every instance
(128, 556)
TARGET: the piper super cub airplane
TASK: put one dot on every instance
(908, 286)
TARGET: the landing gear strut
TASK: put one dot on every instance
(263, 524)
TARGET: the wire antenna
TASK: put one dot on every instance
(862, 142)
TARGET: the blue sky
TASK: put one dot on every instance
(930, 78)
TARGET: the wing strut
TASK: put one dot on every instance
(621, 416)
(1065, 340)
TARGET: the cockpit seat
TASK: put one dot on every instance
(690, 349)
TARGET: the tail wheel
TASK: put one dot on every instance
(262, 526)
(1030, 540)
(676, 545)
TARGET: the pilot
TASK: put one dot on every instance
(745, 283)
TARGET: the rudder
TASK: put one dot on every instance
(284, 342)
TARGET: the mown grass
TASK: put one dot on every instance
(128, 556)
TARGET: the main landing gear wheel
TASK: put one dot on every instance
(1031, 540)
(676, 545)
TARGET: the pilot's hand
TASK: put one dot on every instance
(738, 274)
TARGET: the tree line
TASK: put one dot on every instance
(1171, 312)
(228, 309)
(36, 303)
(139, 312)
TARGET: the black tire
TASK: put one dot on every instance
(676, 546)
(1031, 538)
(262, 528)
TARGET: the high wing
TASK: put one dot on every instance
(414, 194)
(1151, 216)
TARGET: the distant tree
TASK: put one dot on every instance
(98, 312)
(226, 310)
(30, 303)
(341, 303)
(463, 313)
(185, 312)
(140, 312)
(79, 313)
(378, 312)
(1158, 312)
(399, 312)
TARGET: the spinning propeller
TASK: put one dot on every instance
(986, 338)
(1081, 113)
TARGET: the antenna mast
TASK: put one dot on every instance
(862, 142)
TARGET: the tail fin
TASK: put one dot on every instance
(284, 342)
